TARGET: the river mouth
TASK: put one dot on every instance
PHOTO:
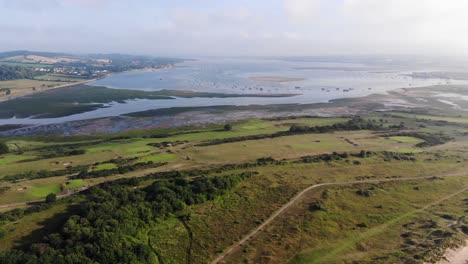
(277, 82)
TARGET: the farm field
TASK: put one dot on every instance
(58, 77)
(269, 161)
(27, 86)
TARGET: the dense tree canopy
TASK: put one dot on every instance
(15, 72)
(106, 227)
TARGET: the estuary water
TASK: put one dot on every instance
(310, 81)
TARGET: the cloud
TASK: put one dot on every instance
(28, 5)
(408, 25)
(228, 27)
(301, 11)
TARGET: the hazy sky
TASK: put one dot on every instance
(236, 27)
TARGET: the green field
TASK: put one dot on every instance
(41, 191)
(60, 78)
(74, 184)
(402, 139)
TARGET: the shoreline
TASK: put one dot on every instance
(456, 255)
(65, 85)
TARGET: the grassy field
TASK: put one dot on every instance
(238, 213)
(351, 227)
(58, 77)
(74, 184)
(348, 227)
(402, 139)
(26, 85)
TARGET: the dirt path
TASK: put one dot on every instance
(189, 248)
(299, 195)
(148, 242)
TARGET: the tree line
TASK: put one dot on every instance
(16, 72)
(385, 155)
(108, 226)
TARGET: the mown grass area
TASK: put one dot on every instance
(351, 227)
(290, 146)
(58, 77)
(40, 191)
(73, 184)
(403, 139)
(24, 191)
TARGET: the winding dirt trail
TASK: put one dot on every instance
(299, 195)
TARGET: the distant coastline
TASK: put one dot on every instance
(147, 69)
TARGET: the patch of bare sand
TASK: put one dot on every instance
(456, 256)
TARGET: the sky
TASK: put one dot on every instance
(236, 27)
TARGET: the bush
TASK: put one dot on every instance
(317, 206)
(3, 148)
(51, 198)
(227, 127)
(365, 193)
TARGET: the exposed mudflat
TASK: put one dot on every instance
(275, 79)
(398, 100)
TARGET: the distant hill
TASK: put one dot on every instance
(37, 57)
(8, 54)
